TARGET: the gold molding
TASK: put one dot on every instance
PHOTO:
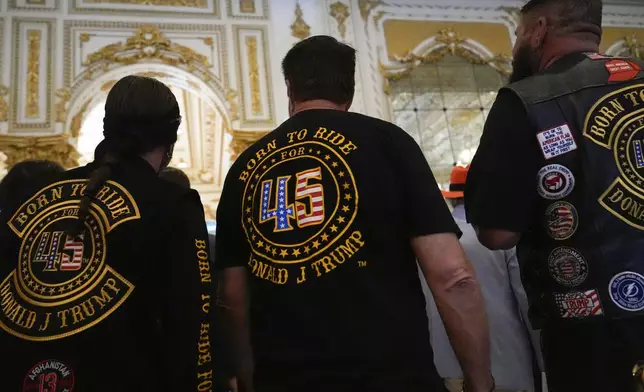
(247, 6)
(54, 148)
(147, 43)
(449, 42)
(634, 46)
(77, 120)
(166, 3)
(32, 109)
(20, 64)
(300, 29)
(64, 95)
(4, 105)
(366, 6)
(232, 98)
(340, 12)
(242, 140)
(240, 32)
(255, 15)
(197, 8)
(253, 65)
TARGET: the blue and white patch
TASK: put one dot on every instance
(555, 182)
(556, 141)
(627, 291)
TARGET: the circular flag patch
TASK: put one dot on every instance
(50, 376)
(561, 220)
(555, 182)
(627, 291)
(567, 266)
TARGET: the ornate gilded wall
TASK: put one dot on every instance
(60, 57)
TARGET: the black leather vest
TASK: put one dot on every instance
(583, 257)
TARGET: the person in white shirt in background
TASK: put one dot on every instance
(515, 346)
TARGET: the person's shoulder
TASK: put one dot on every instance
(387, 129)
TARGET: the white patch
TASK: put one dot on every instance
(555, 182)
(556, 141)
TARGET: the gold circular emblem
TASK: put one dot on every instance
(292, 215)
(629, 154)
(55, 265)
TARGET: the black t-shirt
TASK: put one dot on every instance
(321, 212)
(124, 308)
(500, 192)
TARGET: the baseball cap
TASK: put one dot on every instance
(456, 182)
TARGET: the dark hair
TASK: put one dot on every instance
(23, 175)
(141, 114)
(320, 67)
(571, 16)
(175, 176)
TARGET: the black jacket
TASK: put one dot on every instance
(127, 307)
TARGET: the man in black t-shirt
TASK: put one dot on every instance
(322, 221)
(548, 177)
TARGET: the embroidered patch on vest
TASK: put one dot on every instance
(556, 141)
(597, 56)
(627, 291)
(622, 70)
(567, 266)
(561, 220)
(62, 284)
(555, 182)
(49, 376)
(616, 123)
(579, 304)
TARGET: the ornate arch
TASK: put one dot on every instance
(434, 49)
(148, 48)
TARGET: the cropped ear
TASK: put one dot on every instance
(347, 106)
(288, 88)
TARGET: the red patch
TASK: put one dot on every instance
(49, 376)
(622, 70)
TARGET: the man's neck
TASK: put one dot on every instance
(565, 46)
(316, 104)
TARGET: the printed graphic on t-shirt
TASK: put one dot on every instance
(62, 284)
(616, 122)
(299, 203)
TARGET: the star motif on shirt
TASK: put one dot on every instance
(341, 174)
(260, 243)
(327, 157)
(346, 185)
(316, 244)
(52, 290)
(347, 197)
(273, 160)
(324, 237)
(318, 152)
(268, 248)
(264, 167)
(61, 289)
(274, 252)
(249, 219)
(296, 252)
(252, 186)
(310, 150)
(30, 284)
(340, 219)
(42, 290)
(307, 249)
(283, 253)
(257, 176)
(248, 210)
(334, 228)
(345, 209)
(253, 237)
(250, 198)
(334, 164)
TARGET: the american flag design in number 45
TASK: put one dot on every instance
(315, 192)
(282, 213)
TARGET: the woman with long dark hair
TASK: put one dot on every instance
(109, 288)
